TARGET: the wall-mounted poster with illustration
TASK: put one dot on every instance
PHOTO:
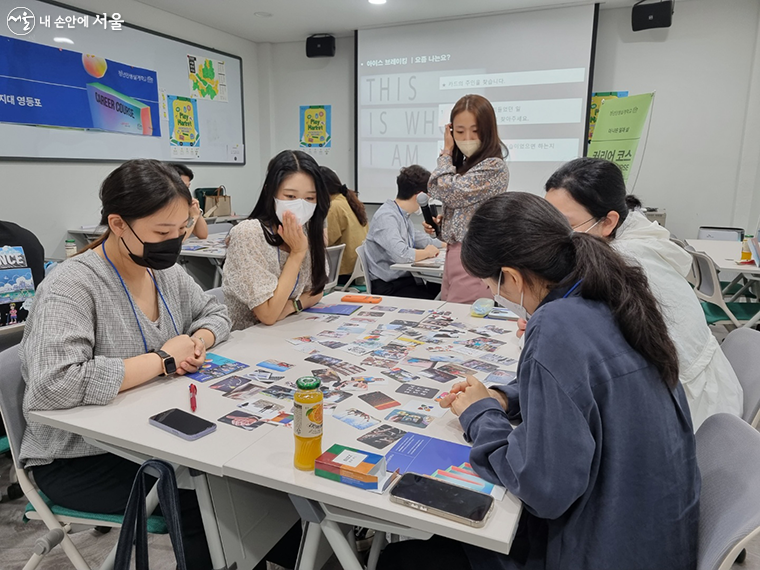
(596, 102)
(184, 132)
(316, 128)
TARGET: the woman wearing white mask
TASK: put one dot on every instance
(471, 169)
(275, 262)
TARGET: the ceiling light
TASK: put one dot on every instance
(63, 41)
(377, 1)
(262, 14)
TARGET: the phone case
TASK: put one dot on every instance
(446, 515)
(361, 299)
(210, 429)
(438, 512)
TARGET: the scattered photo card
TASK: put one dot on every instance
(409, 418)
(500, 377)
(480, 366)
(455, 370)
(383, 308)
(281, 419)
(424, 408)
(402, 323)
(419, 362)
(323, 318)
(333, 334)
(482, 343)
(379, 401)
(441, 396)
(241, 419)
(323, 359)
(438, 375)
(360, 384)
(416, 390)
(391, 352)
(374, 314)
(334, 344)
(499, 359)
(356, 418)
(347, 368)
(279, 392)
(228, 384)
(361, 320)
(264, 409)
(276, 365)
(352, 328)
(216, 366)
(382, 436)
(244, 392)
(400, 375)
(379, 362)
(446, 358)
(326, 376)
(411, 312)
(333, 396)
(302, 340)
(468, 351)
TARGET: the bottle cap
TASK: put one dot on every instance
(308, 383)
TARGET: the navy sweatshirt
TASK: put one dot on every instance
(603, 457)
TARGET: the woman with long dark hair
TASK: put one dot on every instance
(275, 263)
(111, 318)
(346, 221)
(471, 169)
(591, 194)
(594, 436)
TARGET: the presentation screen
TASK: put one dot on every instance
(533, 66)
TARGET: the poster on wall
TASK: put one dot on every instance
(184, 132)
(208, 79)
(315, 129)
(596, 102)
(618, 130)
(53, 87)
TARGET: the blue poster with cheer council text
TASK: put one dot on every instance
(49, 86)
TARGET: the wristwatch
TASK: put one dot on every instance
(297, 305)
(167, 362)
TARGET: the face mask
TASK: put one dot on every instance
(156, 255)
(468, 148)
(518, 310)
(592, 227)
(301, 208)
(418, 212)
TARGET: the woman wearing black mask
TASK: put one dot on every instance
(112, 318)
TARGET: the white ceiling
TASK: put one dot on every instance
(295, 20)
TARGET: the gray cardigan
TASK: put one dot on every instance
(78, 334)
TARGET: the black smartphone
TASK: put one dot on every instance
(182, 424)
(443, 499)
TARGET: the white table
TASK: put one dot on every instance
(724, 254)
(429, 270)
(263, 457)
(213, 248)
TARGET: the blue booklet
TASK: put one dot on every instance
(334, 309)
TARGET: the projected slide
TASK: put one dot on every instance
(532, 66)
(43, 85)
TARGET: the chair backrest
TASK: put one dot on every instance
(720, 233)
(728, 455)
(223, 227)
(709, 285)
(218, 293)
(361, 260)
(11, 399)
(693, 276)
(334, 258)
(742, 348)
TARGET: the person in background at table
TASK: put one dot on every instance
(591, 194)
(393, 239)
(275, 262)
(197, 224)
(114, 317)
(602, 453)
(346, 221)
(470, 170)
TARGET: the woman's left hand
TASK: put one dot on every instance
(464, 394)
(193, 363)
(448, 138)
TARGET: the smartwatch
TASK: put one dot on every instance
(297, 305)
(167, 362)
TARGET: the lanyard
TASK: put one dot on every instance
(129, 297)
(566, 295)
(409, 233)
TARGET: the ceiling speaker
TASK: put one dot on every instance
(322, 45)
(656, 15)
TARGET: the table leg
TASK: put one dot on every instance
(209, 520)
(342, 549)
(217, 272)
(378, 543)
(734, 282)
(309, 547)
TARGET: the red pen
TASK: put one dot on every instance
(193, 392)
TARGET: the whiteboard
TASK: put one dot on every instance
(217, 124)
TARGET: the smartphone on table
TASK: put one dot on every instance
(443, 499)
(182, 424)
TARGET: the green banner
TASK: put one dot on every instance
(618, 130)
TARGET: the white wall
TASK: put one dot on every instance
(298, 80)
(50, 197)
(701, 69)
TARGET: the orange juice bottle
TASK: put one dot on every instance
(746, 253)
(307, 424)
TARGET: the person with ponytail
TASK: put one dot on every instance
(346, 221)
(470, 170)
(594, 436)
(591, 194)
(109, 319)
(275, 264)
